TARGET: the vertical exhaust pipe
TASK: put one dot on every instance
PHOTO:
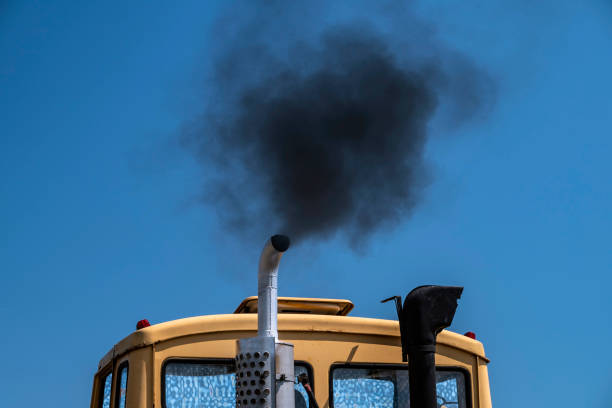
(267, 286)
(264, 366)
(426, 312)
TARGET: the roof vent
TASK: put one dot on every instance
(333, 307)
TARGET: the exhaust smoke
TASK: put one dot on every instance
(326, 135)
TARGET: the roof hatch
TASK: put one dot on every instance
(334, 307)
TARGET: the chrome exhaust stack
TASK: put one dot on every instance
(267, 286)
(264, 366)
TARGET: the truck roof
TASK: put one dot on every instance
(246, 321)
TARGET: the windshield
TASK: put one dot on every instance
(385, 387)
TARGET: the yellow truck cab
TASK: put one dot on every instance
(337, 361)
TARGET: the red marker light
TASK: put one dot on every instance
(471, 335)
(142, 324)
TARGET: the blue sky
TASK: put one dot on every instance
(100, 227)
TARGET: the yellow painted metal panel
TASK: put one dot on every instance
(287, 322)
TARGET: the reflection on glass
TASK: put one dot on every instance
(123, 386)
(106, 396)
(370, 387)
(301, 396)
(210, 385)
(450, 387)
(190, 385)
(379, 387)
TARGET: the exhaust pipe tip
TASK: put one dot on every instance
(276, 385)
(267, 285)
(280, 242)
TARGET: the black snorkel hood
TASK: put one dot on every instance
(427, 310)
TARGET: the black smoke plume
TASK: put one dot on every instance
(329, 137)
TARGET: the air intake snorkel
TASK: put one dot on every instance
(426, 312)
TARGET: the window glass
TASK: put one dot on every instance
(370, 387)
(122, 385)
(201, 384)
(106, 392)
(381, 386)
(301, 396)
(450, 387)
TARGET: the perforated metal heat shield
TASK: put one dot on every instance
(255, 373)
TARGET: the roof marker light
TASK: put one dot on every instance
(142, 324)
(471, 335)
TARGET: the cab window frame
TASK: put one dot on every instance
(188, 360)
(466, 375)
(309, 370)
(117, 384)
(219, 361)
(102, 376)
